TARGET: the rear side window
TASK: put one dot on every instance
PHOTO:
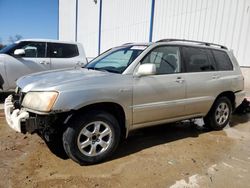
(222, 60)
(197, 60)
(59, 50)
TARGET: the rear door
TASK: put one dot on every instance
(64, 55)
(202, 79)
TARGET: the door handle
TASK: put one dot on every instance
(44, 62)
(179, 80)
(79, 63)
(215, 76)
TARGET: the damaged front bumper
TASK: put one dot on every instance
(23, 121)
(19, 119)
(14, 117)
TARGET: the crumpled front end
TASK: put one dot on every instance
(24, 121)
(14, 117)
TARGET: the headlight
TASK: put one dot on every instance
(41, 101)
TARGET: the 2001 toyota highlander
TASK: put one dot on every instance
(126, 88)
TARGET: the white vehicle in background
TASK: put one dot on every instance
(35, 55)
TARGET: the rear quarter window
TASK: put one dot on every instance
(60, 50)
(222, 60)
(197, 60)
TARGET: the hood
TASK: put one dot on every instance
(61, 79)
(2, 56)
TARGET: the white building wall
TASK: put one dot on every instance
(224, 22)
(67, 20)
(124, 21)
(88, 26)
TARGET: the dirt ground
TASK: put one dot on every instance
(173, 155)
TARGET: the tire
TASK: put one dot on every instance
(219, 115)
(91, 138)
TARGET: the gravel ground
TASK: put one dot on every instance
(172, 155)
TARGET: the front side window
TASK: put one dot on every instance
(116, 60)
(166, 58)
(197, 60)
(60, 50)
(222, 60)
(34, 49)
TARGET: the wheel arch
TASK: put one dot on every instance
(110, 107)
(230, 95)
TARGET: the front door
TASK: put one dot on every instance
(159, 97)
(34, 60)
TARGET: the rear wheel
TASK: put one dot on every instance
(92, 138)
(219, 115)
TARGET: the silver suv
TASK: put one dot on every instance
(127, 87)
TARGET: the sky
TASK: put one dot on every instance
(28, 18)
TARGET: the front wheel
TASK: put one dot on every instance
(92, 138)
(219, 115)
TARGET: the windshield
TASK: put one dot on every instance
(117, 59)
(8, 48)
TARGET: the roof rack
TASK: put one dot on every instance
(193, 41)
(127, 43)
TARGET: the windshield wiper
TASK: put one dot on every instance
(113, 71)
(103, 69)
(98, 69)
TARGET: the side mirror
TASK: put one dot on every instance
(19, 52)
(146, 69)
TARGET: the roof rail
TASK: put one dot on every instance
(193, 41)
(127, 43)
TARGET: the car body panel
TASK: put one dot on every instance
(157, 97)
(19, 66)
(77, 61)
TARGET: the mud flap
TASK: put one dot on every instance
(244, 107)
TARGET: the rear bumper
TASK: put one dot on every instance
(239, 97)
